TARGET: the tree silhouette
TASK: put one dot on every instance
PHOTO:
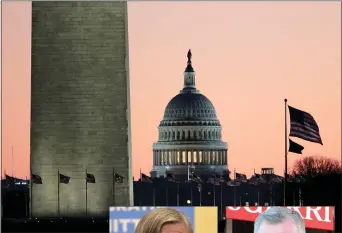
(323, 183)
(316, 165)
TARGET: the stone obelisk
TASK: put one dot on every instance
(80, 108)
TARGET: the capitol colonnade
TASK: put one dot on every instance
(190, 134)
(170, 157)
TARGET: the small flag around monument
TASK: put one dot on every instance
(90, 178)
(118, 178)
(10, 178)
(36, 179)
(64, 179)
(145, 178)
(304, 126)
(295, 147)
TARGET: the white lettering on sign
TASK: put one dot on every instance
(321, 214)
(253, 210)
(128, 209)
(326, 217)
(122, 224)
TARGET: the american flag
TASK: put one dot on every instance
(304, 126)
(145, 178)
(277, 179)
(233, 183)
(170, 177)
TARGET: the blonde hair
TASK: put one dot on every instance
(153, 221)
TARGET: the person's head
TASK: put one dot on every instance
(164, 220)
(279, 220)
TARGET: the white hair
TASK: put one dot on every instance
(276, 215)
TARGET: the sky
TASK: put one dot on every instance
(248, 57)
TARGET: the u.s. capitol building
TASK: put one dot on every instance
(189, 135)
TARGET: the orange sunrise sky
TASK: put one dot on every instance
(248, 57)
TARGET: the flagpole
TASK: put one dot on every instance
(191, 194)
(177, 193)
(27, 199)
(214, 193)
(258, 197)
(234, 195)
(167, 193)
(221, 201)
(200, 189)
(154, 196)
(113, 187)
(58, 178)
(86, 196)
(12, 163)
(294, 197)
(271, 194)
(31, 185)
(188, 172)
(286, 138)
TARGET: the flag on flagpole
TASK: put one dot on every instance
(118, 178)
(170, 177)
(36, 179)
(240, 176)
(145, 178)
(196, 178)
(10, 178)
(90, 178)
(295, 147)
(64, 179)
(304, 126)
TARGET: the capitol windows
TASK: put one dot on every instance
(162, 158)
(173, 157)
(165, 158)
(200, 157)
(213, 158)
(183, 157)
(178, 135)
(207, 157)
(217, 161)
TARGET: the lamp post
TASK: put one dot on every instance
(188, 202)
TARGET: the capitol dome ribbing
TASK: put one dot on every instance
(189, 135)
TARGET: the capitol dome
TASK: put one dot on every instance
(190, 106)
(189, 135)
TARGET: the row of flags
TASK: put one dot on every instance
(217, 179)
(63, 179)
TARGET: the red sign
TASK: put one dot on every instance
(317, 217)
